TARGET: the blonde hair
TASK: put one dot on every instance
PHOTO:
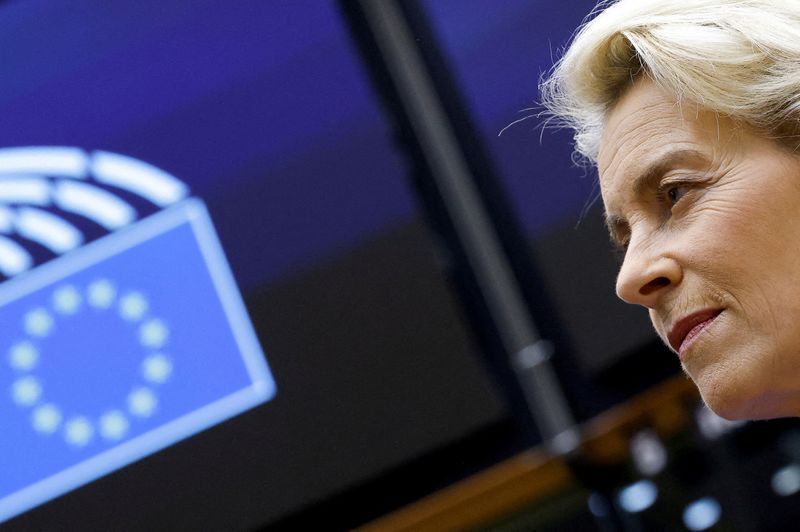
(740, 58)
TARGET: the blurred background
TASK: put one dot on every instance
(396, 410)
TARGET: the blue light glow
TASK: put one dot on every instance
(597, 505)
(702, 514)
(638, 497)
(649, 454)
(786, 480)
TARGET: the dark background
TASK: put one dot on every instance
(264, 109)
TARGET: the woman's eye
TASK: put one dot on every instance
(674, 193)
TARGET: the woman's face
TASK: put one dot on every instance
(709, 214)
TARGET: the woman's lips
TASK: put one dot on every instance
(685, 331)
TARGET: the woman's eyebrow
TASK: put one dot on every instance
(669, 160)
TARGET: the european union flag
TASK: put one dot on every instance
(119, 349)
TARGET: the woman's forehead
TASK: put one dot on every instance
(643, 111)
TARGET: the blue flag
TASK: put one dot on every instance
(119, 349)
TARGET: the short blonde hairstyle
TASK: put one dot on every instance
(739, 58)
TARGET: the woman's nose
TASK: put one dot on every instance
(646, 274)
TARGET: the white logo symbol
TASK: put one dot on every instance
(24, 357)
(39, 182)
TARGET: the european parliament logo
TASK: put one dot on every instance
(119, 347)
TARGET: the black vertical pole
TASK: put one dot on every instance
(446, 162)
(452, 174)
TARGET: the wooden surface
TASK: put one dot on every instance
(531, 476)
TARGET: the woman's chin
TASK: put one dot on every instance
(726, 395)
(738, 410)
(736, 401)
(746, 381)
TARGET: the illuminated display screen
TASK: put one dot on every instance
(276, 130)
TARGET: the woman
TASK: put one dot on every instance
(690, 110)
